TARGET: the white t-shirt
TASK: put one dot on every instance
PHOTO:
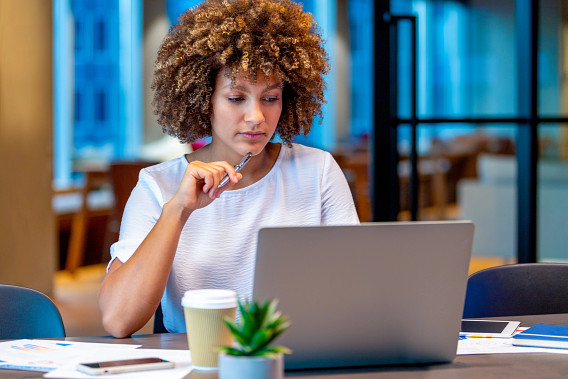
(217, 247)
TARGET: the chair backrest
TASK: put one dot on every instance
(27, 313)
(516, 290)
(159, 321)
(124, 176)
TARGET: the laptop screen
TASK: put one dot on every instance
(376, 293)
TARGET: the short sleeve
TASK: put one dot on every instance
(142, 210)
(338, 207)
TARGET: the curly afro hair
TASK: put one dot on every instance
(272, 37)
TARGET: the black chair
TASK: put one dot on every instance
(516, 290)
(27, 313)
(159, 321)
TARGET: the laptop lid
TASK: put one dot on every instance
(370, 294)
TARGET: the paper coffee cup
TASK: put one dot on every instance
(206, 332)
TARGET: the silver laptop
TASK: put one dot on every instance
(372, 294)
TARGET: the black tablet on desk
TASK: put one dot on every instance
(488, 328)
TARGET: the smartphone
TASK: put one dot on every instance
(124, 365)
(488, 328)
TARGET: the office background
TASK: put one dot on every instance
(475, 129)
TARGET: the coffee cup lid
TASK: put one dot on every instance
(209, 299)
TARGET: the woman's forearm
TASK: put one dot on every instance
(131, 291)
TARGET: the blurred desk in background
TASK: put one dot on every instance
(89, 215)
(433, 173)
(82, 215)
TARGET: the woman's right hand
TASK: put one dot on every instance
(200, 182)
(145, 274)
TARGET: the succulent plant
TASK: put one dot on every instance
(259, 325)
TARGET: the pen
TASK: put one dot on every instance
(237, 168)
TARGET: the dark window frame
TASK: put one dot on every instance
(384, 182)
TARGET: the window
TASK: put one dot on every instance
(474, 96)
(97, 83)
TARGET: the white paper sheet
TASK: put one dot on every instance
(499, 345)
(182, 359)
(46, 355)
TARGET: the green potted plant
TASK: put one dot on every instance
(253, 357)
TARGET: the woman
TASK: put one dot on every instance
(239, 71)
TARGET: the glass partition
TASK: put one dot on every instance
(552, 191)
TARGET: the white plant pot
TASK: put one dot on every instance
(233, 367)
